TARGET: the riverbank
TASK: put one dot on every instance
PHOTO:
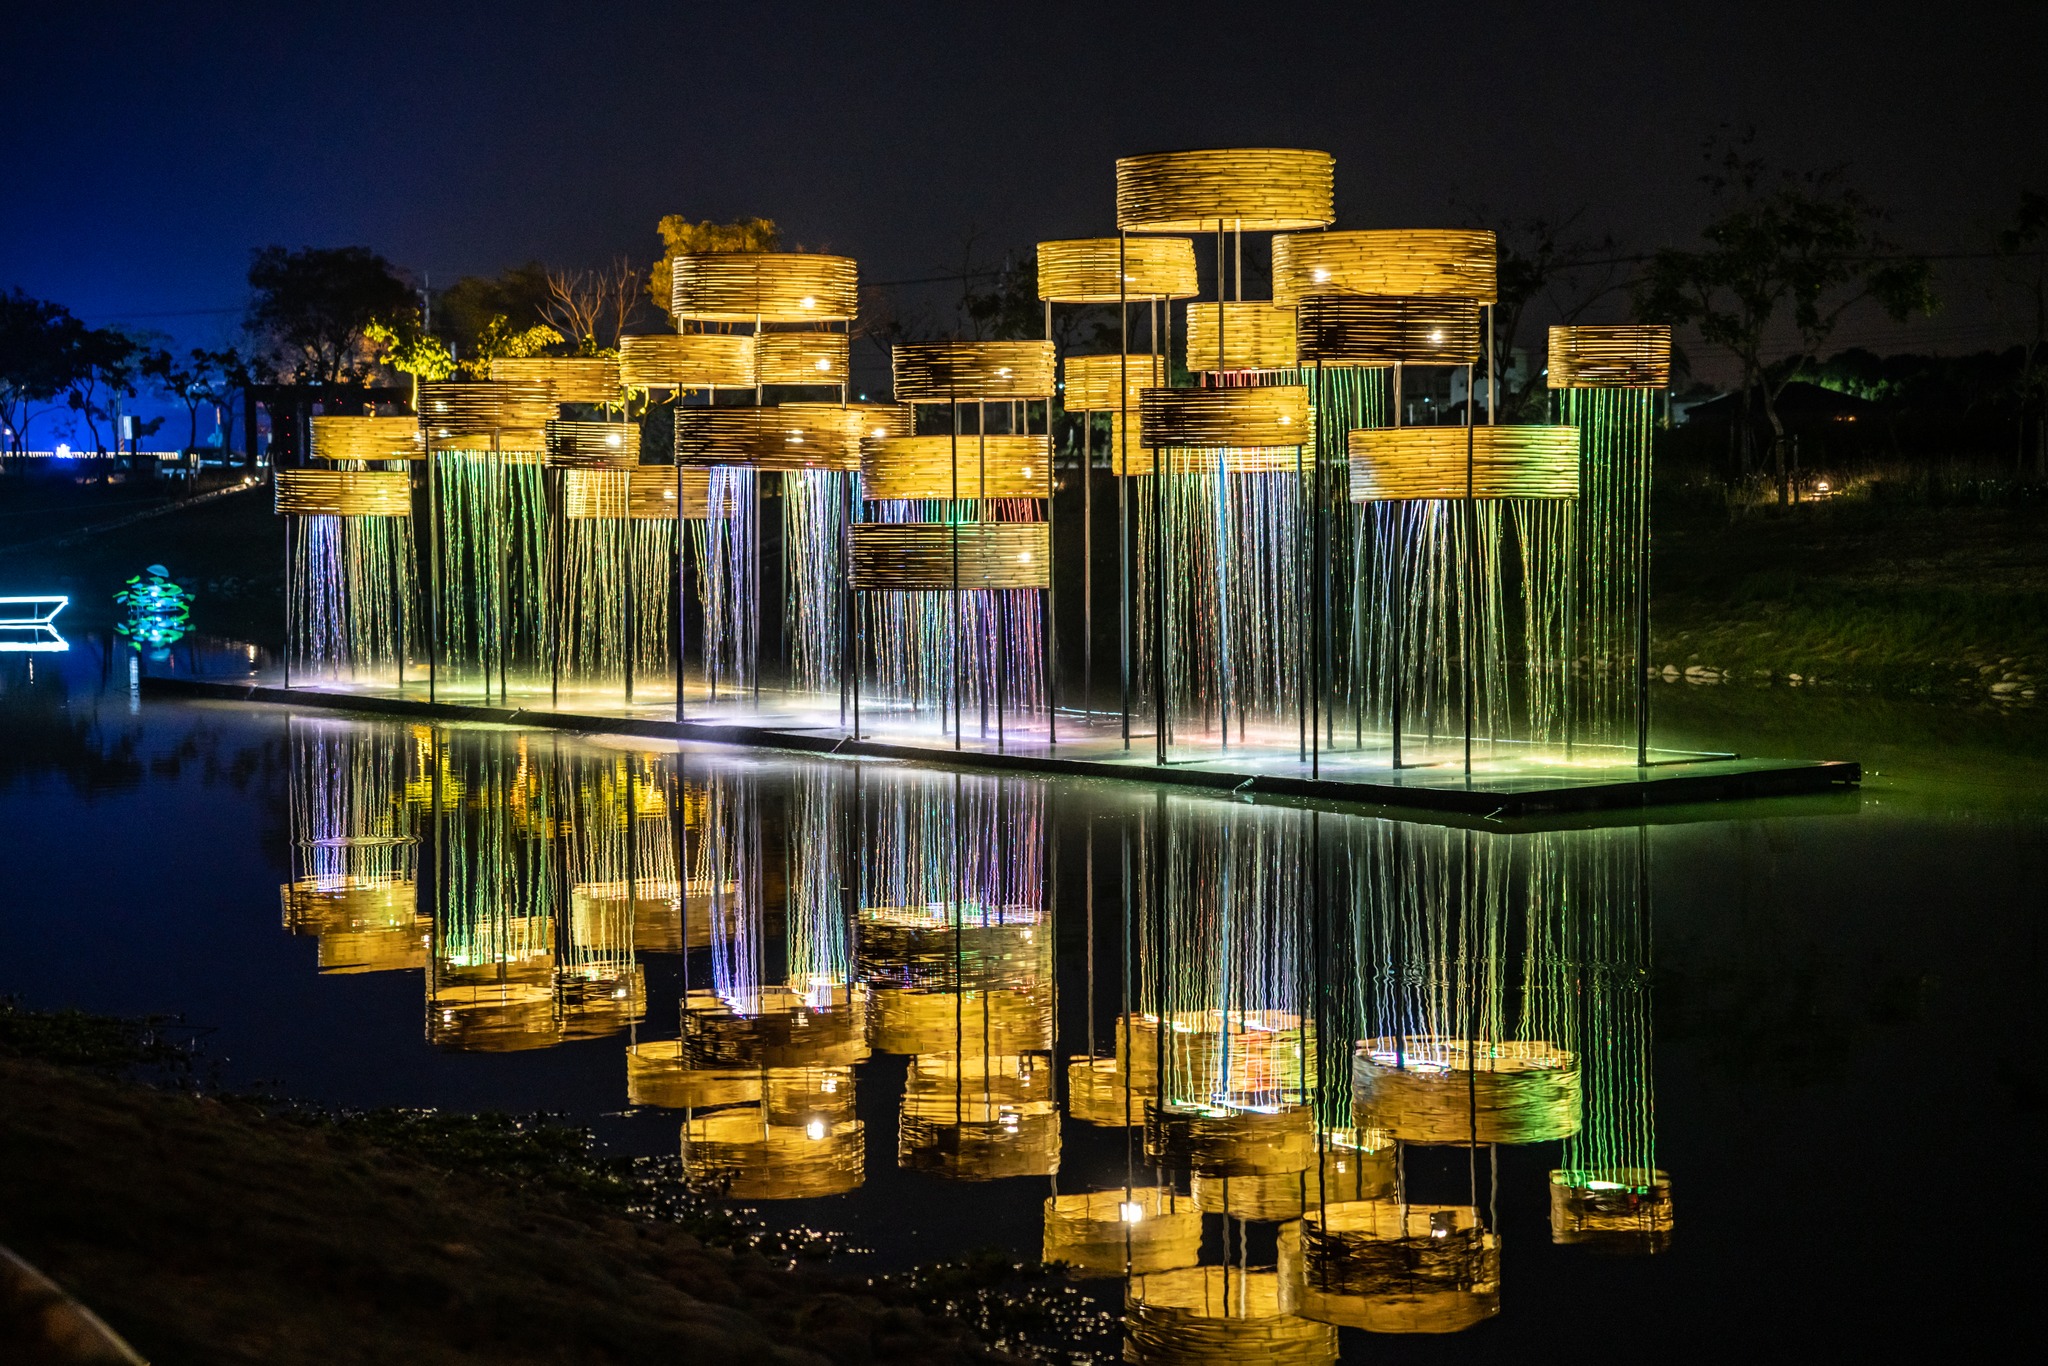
(205, 1229)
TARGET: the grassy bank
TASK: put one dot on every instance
(208, 1229)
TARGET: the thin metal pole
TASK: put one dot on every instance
(1643, 610)
(289, 597)
(1396, 642)
(1088, 566)
(1052, 637)
(627, 615)
(953, 525)
(1121, 468)
(555, 608)
(1471, 611)
(682, 580)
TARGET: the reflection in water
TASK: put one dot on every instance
(1312, 1029)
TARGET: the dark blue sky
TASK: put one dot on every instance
(147, 148)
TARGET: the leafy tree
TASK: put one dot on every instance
(681, 237)
(199, 378)
(106, 367)
(1547, 273)
(501, 339)
(2023, 249)
(404, 344)
(311, 306)
(466, 308)
(1788, 248)
(39, 357)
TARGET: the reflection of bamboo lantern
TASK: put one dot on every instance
(494, 1017)
(1621, 356)
(1391, 1268)
(1275, 415)
(979, 1118)
(766, 1161)
(1625, 1210)
(771, 287)
(1384, 330)
(365, 438)
(1354, 1165)
(594, 443)
(927, 556)
(972, 371)
(658, 1074)
(1084, 270)
(343, 493)
(689, 360)
(1215, 1141)
(779, 1028)
(1116, 1232)
(1424, 1090)
(508, 418)
(1246, 189)
(316, 905)
(921, 467)
(802, 357)
(1456, 262)
(1257, 335)
(657, 918)
(1238, 1053)
(1011, 1020)
(1218, 1316)
(597, 1002)
(1091, 381)
(1098, 1094)
(1391, 463)
(570, 379)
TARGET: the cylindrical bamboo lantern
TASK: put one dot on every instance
(658, 1074)
(1242, 1051)
(601, 1001)
(789, 436)
(1393, 463)
(1391, 1268)
(321, 905)
(779, 1029)
(1118, 1232)
(1212, 1141)
(802, 357)
(909, 557)
(1429, 1090)
(342, 493)
(1380, 329)
(1354, 1165)
(366, 438)
(687, 360)
(1009, 1020)
(972, 371)
(570, 379)
(645, 493)
(1218, 1316)
(1626, 1210)
(1091, 382)
(1257, 335)
(1621, 356)
(344, 952)
(802, 1095)
(1275, 415)
(593, 443)
(1083, 270)
(979, 1117)
(1245, 189)
(494, 1017)
(763, 286)
(489, 415)
(763, 1161)
(1460, 263)
(919, 467)
(1097, 1093)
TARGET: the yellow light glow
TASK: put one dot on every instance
(824, 365)
(815, 1129)
(1130, 1211)
(614, 439)
(807, 302)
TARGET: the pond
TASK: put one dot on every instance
(1765, 1069)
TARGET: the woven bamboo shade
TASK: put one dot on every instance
(486, 415)
(1091, 382)
(1424, 1090)
(494, 1017)
(908, 557)
(1391, 1268)
(1218, 1316)
(1459, 263)
(802, 357)
(946, 944)
(1248, 189)
(1626, 1211)
(596, 1002)
(322, 905)
(366, 438)
(800, 1095)
(1275, 415)
(645, 493)
(593, 443)
(688, 360)
(652, 907)
(1097, 1093)
(1008, 1020)
(1083, 270)
(658, 1074)
(1218, 1142)
(789, 436)
(1380, 329)
(1117, 1232)
(570, 379)
(342, 493)
(351, 951)
(937, 372)
(781, 1028)
(771, 287)
(1257, 335)
(1622, 356)
(979, 1118)
(1390, 463)
(763, 1161)
(1353, 1166)
(926, 467)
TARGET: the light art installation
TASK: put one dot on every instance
(354, 855)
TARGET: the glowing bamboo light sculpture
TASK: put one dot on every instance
(1218, 1316)
(614, 834)
(1122, 1232)
(684, 361)
(1457, 263)
(365, 440)
(759, 1159)
(349, 564)
(976, 1115)
(1240, 335)
(354, 857)
(569, 379)
(1391, 1267)
(1607, 380)
(960, 517)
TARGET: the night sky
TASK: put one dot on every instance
(148, 148)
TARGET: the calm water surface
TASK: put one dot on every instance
(1764, 1073)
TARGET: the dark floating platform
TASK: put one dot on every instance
(1511, 787)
